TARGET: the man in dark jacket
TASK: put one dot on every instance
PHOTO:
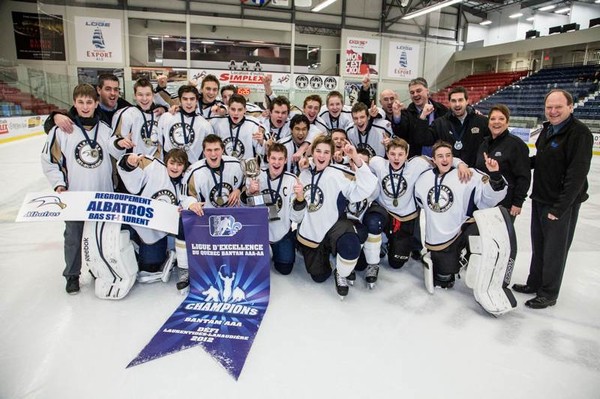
(461, 126)
(560, 168)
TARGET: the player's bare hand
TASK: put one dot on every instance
(303, 163)
(373, 110)
(174, 109)
(259, 136)
(60, 189)
(234, 198)
(299, 190)
(64, 123)
(253, 186)
(161, 81)
(158, 111)
(464, 172)
(197, 208)
(515, 210)
(134, 160)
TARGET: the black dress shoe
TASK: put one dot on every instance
(524, 289)
(540, 302)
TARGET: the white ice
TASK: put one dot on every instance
(395, 341)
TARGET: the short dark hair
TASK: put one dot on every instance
(85, 90)
(211, 139)
(178, 155)
(277, 147)
(299, 118)
(418, 81)
(458, 89)
(280, 100)
(236, 98)
(229, 87)
(565, 93)
(313, 97)
(106, 76)
(440, 144)
(210, 78)
(502, 109)
(359, 107)
(187, 89)
(338, 130)
(141, 82)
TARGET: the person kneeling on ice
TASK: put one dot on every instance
(280, 191)
(149, 177)
(325, 229)
(395, 212)
(448, 205)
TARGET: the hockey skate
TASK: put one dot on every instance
(341, 285)
(351, 278)
(371, 275)
(183, 285)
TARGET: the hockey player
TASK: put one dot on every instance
(79, 161)
(335, 114)
(276, 124)
(278, 189)
(151, 178)
(448, 205)
(325, 229)
(209, 105)
(212, 182)
(369, 133)
(243, 136)
(186, 128)
(395, 212)
(311, 108)
(299, 126)
(139, 123)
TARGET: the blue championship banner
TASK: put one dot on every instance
(228, 256)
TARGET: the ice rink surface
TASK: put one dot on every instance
(395, 341)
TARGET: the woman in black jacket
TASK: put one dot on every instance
(512, 155)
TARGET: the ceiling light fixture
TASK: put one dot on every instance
(486, 22)
(432, 8)
(324, 4)
(563, 10)
(530, 19)
(548, 8)
(517, 15)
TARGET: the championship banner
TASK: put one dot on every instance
(100, 207)
(228, 257)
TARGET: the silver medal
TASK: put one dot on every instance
(148, 142)
(436, 207)
(94, 153)
(220, 201)
(235, 154)
(312, 207)
(186, 147)
(458, 145)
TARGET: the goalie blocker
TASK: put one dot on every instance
(491, 262)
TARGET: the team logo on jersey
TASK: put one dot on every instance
(223, 226)
(314, 204)
(367, 147)
(446, 199)
(178, 139)
(88, 157)
(399, 184)
(150, 133)
(165, 196)
(316, 82)
(357, 208)
(475, 130)
(238, 151)
(217, 199)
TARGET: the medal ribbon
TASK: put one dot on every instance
(147, 133)
(185, 135)
(396, 190)
(237, 134)
(314, 185)
(220, 182)
(276, 196)
(91, 142)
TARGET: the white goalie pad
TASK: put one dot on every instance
(428, 272)
(164, 274)
(108, 253)
(492, 260)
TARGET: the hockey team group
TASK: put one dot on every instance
(344, 186)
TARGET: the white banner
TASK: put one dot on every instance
(100, 207)
(281, 81)
(21, 126)
(99, 40)
(403, 60)
(361, 56)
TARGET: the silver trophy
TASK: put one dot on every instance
(251, 169)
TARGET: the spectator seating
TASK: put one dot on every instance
(14, 102)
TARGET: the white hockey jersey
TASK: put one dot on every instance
(372, 139)
(185, 132)
(448, 203)
(151, 180)
(143, 128)
(283, 203)
(203, 184)
(77, 162)
(238, 138)
(343, 121)
(276, 133)
(323, 192)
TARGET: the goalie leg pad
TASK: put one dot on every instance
(492, 260)
(110, 257)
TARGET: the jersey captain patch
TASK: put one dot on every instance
(88, 157)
